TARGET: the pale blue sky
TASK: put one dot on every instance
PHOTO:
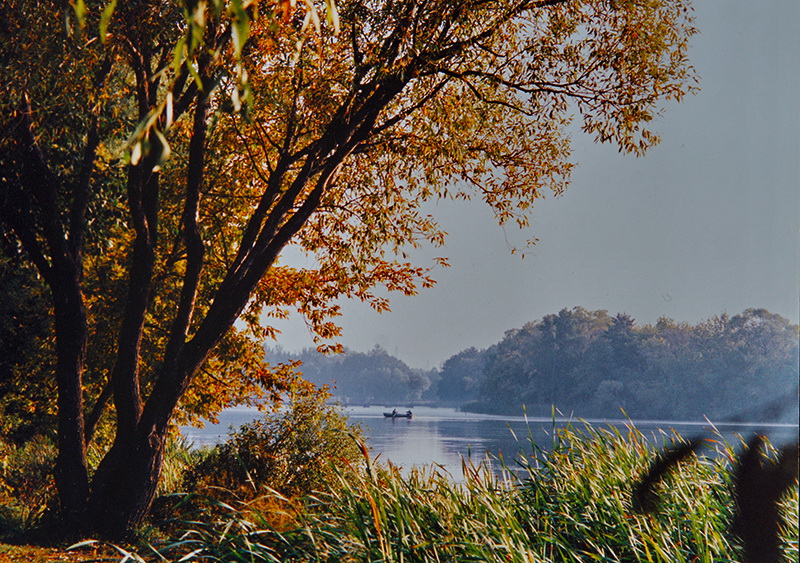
(707, 222)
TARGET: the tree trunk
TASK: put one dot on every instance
(71, 474)
(31, 195)
(125, 484)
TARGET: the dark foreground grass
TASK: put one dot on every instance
(571, 503)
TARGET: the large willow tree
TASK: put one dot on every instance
(156, 158)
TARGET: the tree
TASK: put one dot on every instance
(358, 378)
(156, 159)
(746, 362)
(507, 368)
(740, 368)
(563, 347)
(461, 376)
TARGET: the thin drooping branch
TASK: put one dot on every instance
(255, 162)
(501, 19)
(480, 96)
(567, 89)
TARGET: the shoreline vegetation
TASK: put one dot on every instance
(316, 494)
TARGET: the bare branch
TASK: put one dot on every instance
(478, 94)
(82, 187)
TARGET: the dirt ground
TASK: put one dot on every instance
(35, 554)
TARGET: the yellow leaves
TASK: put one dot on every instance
(615, 62)
(237, 374)
(313, 292)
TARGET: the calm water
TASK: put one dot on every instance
(444, 436)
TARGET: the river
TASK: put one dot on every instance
(445, 436)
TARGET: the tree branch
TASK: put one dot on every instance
(81, 190)
(97, 412)
(39, 179)
(191, 233)
(143, 195)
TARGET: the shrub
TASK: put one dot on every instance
(180, 460)
(294, 451)
(27, 486)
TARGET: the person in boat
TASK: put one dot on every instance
(408, 412)
(394, 412)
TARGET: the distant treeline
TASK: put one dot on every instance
(592, 364)
(374, 377)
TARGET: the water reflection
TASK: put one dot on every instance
(445, 436)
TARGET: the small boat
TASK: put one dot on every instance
(406, 414)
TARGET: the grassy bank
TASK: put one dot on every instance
(574, 504)
(571, 501)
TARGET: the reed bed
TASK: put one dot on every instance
(568, 502)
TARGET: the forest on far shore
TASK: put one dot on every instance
(592, 364)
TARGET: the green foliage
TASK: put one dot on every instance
(582, 495)
(26, 354)
(295, 451)
(27, 489)
(180, 459)
(461, 376)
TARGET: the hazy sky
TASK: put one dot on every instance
(707, 222)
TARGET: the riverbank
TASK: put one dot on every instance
(299, 486)
(37, 554)
(576, 503)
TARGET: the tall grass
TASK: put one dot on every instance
(569, 503)
(579, 503)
